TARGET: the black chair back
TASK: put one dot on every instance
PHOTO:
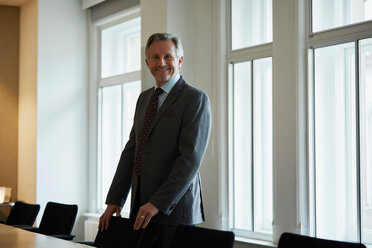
(199, 237)
(58, 219)
(120, 233)
(23, 214)
(289, 240)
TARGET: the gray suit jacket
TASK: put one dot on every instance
(172, 156)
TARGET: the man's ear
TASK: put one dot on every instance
(147, 63)
(180, 61)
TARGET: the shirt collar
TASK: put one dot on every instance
(167, 87)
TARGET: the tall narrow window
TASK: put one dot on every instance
(251, 119)
(252, 147)
(263, 145)
(340, 121)
(335, 142)
(242, 146)
(119, 88)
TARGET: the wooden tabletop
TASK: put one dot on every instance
(11, 237)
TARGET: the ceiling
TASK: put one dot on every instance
(13, 2)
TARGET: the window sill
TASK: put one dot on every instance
(91, 215)
(95, 216)
(246, 242)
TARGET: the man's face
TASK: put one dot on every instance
(162, 61)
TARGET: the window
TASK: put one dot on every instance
(251, 23)
(337, 13)
(250, 122)
(335, 142)
(120, 48)
(340, 124)
(118, 89)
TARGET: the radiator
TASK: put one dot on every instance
(90, 229)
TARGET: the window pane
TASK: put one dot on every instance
(120, 48)
(242, 146)
(366, 137)
(262, 126)
(336, 13)
(131, 92)
(117, 111)
(110, 145)
(335, 143)
(251, 23)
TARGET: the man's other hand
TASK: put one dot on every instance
(145, 213)
(104, 220)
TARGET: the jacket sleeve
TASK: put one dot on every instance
(193, 141)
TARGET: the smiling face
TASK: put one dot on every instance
(162, 61)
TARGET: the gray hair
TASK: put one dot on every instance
(165, 36)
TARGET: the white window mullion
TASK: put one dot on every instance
(122, 78)
(357, 143)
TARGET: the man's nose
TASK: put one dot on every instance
(162, 61)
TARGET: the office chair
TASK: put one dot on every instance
(199, 237)
(22, 214)
(57, 221)
(120, 233)
(289, 240)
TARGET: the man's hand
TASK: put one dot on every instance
(145, 213)
(104, 220)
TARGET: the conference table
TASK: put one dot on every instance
(12, 237)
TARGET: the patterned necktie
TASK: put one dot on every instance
(149, 117)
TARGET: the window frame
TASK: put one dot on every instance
(314, 40)
(95, 83)
(245, 54)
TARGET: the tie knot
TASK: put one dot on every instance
(158, 91)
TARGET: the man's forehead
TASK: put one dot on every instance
(165, 44)
(162, 49)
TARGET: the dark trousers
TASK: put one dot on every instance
(154, 235)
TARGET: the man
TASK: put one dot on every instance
(166, 146)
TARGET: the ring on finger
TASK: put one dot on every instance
(143, 217)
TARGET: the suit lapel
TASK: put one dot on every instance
(172, 96)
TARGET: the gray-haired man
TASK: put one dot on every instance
(166, 146)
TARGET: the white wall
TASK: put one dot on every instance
(62, 105)
(285, 120)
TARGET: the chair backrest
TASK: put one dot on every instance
(199, 237)
(58, 219)
(295, 240)
(120, 233)
(23, 214)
